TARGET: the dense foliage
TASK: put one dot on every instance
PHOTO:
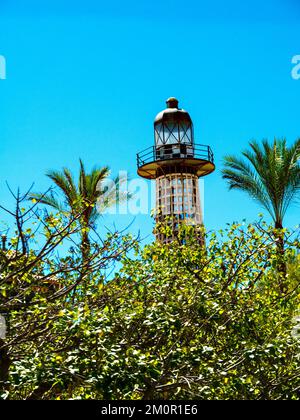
(178, 320)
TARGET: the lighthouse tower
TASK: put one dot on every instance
(176, 162)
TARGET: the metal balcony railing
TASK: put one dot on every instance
(175, 151)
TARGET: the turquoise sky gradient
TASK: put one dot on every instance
(85, 79)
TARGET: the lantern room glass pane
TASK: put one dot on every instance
(186, 136)
(171, 133)
(159, 138)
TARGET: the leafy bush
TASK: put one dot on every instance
(178, 320)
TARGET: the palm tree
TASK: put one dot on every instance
(270, 174)
(80, 200)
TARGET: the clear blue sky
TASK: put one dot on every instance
(86, 78)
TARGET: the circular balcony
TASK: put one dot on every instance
(195, 158)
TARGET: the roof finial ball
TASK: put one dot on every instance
(176, 162)
(172, 102)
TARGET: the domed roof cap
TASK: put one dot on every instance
(172, 113)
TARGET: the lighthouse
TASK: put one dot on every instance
(176, 163)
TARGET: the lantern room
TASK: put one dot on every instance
(174, 149)
(173, 130)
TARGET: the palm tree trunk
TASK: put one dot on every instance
(85, 258)
(85, 249)
(281, 264)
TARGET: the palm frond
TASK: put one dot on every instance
(269, 174)
(48, 200)
(82, 185)
(72, 186)
(61, 182)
